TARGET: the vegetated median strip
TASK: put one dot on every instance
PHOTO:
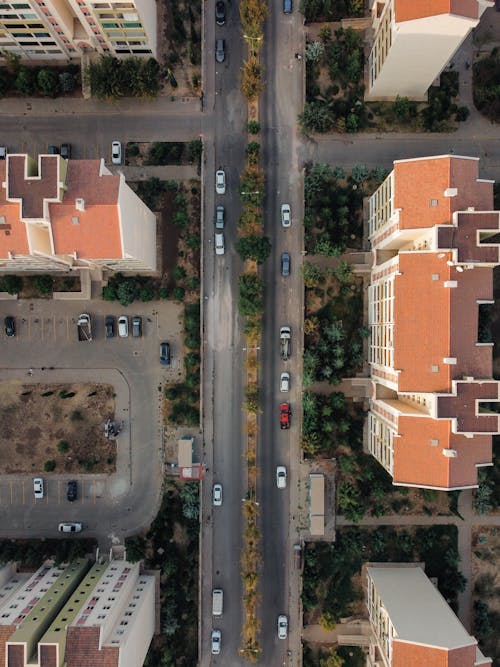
(253, 248)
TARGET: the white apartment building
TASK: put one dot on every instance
(63, 29)
(413, 42)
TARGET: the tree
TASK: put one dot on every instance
(126, 292)
(25, 81)
(333, 659)
(252, 185)
(310, 366)
(360, 173)
(149, 77)
(48, 82)
(190, 497)
(404, 109)
(379, 174)
(11, 284)
(257, 248)
(253, 127)
(316, 117)
(252, 152)
(43, 283)
(314, 51)
(343, 272)
(250, 288)
(49, 466)
(253, 13)
(63, 446)
(312, 275)
(251, 79)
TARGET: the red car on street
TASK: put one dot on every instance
(285, 413)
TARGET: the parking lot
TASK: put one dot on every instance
(46, 350)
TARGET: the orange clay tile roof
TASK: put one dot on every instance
(433, 176)
(417, 461)
(82, 649)
(96, 235)
(433, 322)
(408, 10)
(13, 236)
(413, 655)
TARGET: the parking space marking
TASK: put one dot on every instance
(58, 492)
(23, 487)
(11, 493)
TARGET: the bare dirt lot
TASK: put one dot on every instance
(59, 423)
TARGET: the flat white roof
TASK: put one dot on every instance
(418, 611)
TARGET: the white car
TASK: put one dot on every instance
(282, 626)
(70, 527)
(38, 487)
(220, 182)
(286, 215)
(116, 152)
(123, 326)
(281, 477)
(217, 495)
(285, 382)
(219, 244)
(216, 642)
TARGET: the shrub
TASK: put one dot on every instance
(63, 446)
(48, 82)
(316, 117)
(66, 82)
(25, 81)
(257, 248)
(250, 288)
(178, 293)
(43, 283)
(49, 466)
(11, 284)
(253, 127)
(163, 293)
(76, 416)
(126, 292)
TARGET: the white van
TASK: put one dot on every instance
(217, 602)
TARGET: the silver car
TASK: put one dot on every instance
(216, 642)
(286, 215)
(217, 495)
(38, 487)
(70, 527)
(220, 182)
(116, 152)
(220, 50)
(219, 244)
(219, 217)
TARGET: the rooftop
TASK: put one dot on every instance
(409, 10)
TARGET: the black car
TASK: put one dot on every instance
(137, 326)
(285, 264)
(220, 12)
(165, 354)
(66, 151)
(10, 326)
(110, 326)
(72, 490)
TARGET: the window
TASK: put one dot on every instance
(433, 202)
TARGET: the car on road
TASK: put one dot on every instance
(220, 182)
(123, 326)
(287, 6)
(165, 354)
(285, 264)
(3, 152)
(66, 151)
(72, 490)
(220, 50)
(220, 12)
(137, 326)
(109, 323)
(70, 527)
(282, 626)
(285, 381)
(285, 413)
(281, 477)
(53, 150)
(116, 152)
(217, 495)
(219, 244)
(216, 642)
(219, 217)
(286, 215)
(10, 326)
(38, 487)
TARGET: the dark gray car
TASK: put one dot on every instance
(285, 264)
(220, 50)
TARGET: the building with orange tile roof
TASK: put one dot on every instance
(412, 624)
(413, 41)
(58, 214)
(78, 615)
(432, 409)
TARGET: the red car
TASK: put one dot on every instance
(285, 413)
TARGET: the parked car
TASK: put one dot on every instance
(220, 182)
(165, 354)
(38, 487)
(72, 490)
(216, 642)
(287, 6)
(285, 413)
(220, 50)
(281, 477)
(219, 244)
(116, 152)
(217, 495)
(110, 326)
(70, 527)
(285, 264)
(3, 152)
(137, 326)
(10, 326)
(53, 150)
(219, 217)
(123, 326)
(285, 381)
(282, 626)
(220, 12)
(286, 215)
(66, 151)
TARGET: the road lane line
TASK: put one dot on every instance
(24, 490)
(11, 494)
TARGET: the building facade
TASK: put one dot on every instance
(413, 41)
(62, 29)
(412, 624)
(59, 215)
(433, 406)
(100, 614)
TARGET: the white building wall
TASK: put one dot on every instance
(137, 634)
(420, 50)
(138, 227)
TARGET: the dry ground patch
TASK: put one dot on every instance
(63, 423)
